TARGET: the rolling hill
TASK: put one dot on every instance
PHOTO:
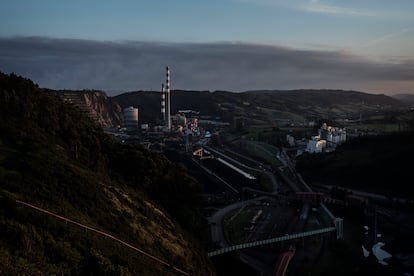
(409, 98)
(264, 107)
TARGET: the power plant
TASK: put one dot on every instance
(183, 122)
(280, 206)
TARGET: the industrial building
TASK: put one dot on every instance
(328, 138)
(315, 145)
(131, 118)
(333, 136)
(183, 128)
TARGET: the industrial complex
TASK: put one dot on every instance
(263, 212)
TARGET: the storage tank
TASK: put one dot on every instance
(131, 117)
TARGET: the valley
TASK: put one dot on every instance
(233, 181)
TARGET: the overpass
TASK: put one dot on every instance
(338, 228)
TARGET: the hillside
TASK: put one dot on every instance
(149, 103)
(96, 104)
(264, 107)
(54, 156)
(409, 98)
(379, 164)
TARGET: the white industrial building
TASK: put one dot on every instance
(334, 136)
(328, 137)
(291, 140)
(315, 145)
(131, 118)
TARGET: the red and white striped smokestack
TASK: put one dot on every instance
(168, 98)
(163, 102)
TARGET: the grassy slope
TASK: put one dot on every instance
(55, 157)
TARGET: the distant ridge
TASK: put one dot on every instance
(306, 90)
(260, 106)
(409, 98)
(264, 106)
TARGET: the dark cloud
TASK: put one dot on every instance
(131, 65)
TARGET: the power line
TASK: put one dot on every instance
(104, 234)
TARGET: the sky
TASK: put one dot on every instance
(234, 45)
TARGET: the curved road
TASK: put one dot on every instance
(216, 221)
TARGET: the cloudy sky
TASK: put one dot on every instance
(236, 45)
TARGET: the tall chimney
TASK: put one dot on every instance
(163, 103)
(168, 99)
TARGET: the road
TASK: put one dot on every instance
(216, 220)
(373, 196)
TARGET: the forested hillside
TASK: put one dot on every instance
(380, 164)
(55, 157)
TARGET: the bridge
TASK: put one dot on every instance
(338, 228)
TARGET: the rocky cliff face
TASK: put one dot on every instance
(105, 111)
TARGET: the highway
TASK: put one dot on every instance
(297, 226)
(216, 221)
